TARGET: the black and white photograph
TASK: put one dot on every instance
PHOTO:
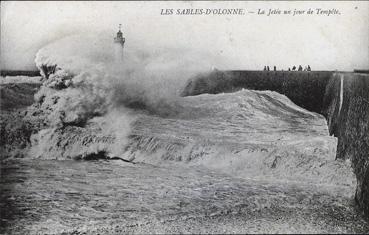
(184, 117)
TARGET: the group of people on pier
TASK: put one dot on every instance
(307, 68)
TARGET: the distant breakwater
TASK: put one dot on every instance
(341, 97)
(29, 73)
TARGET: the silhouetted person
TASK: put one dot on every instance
(265, 68)
(275, 68)
(300, 68)
(268, 68)
(293, 68)
(309, 69)
(289, 69)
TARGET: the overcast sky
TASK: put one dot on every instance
(248, 41)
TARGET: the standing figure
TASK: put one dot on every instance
(268, 68)
(300, 68)
(293, 68)
(265, 68)
(309, 69)
(275, 68)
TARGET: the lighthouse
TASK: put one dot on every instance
(119, 45)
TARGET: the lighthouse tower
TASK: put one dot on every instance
(119, 45)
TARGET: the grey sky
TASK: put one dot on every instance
(244, 42)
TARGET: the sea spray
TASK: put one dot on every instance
(86, 91)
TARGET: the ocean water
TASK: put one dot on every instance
(243, 162)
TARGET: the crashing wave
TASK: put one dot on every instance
(92, 108)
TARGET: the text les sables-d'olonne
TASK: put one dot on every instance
(201, 11)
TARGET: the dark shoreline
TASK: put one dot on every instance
(29, 73)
